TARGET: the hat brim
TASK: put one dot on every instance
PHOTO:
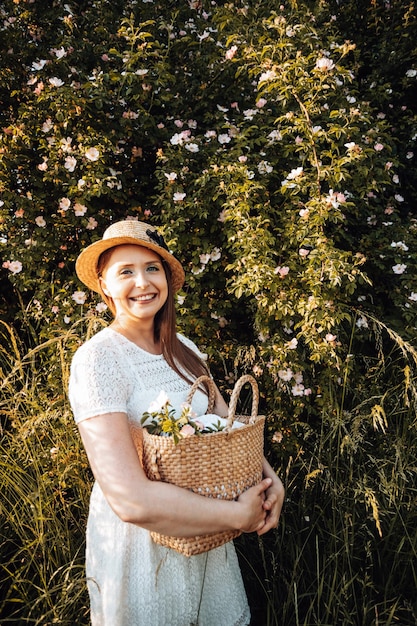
(86, 264)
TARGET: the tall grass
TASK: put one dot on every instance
(345, 552)
(45, 484)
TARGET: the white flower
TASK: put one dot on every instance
(267, 76)
(330, 338)
(171, 176)
(224, 138)
(285, 375)
(324, 64)
(101, 307)
(351, 145)
(64, 204)
(47, 125)
(70, 163)
(413, 296)
(399, 268)
(161, 401)
(215, 254)
(56, 82)
(66, 144)
(295, 173)
(292, 345)
(79, 297)
(399, 198)
(59, 53)
(411, 73)
(298, 390)
(40, 221)
(39, 65)
(264, 167)
(179, 197)
(275, 135)
(399, 244)
(249, 114)
(362, 322)
(204, 258)
(92, 154)
(192, 147)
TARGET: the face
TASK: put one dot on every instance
(134, 278)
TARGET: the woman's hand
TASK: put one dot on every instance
(252, 507)
(274, 499)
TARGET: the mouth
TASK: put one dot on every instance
(145, 298)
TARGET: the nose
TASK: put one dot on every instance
(142, 279)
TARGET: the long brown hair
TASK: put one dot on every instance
(184, 361)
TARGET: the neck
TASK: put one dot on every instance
(142, 337)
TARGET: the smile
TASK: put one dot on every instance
(144, 298)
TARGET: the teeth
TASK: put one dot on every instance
(143, 298)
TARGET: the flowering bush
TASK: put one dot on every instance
(271, 151)
(160, 419)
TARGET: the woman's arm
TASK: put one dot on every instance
(156, 505)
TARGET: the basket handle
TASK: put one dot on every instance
(235, 397)
(211, 391)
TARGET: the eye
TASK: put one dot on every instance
(125, 271)
(153, 268)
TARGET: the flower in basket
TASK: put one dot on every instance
(160, 419)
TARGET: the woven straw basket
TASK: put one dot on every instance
(216, 465)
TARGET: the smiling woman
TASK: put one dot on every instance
(115, 376)
(134, 281)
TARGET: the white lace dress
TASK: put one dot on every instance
(131, 580)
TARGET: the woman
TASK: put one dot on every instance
(114, 377)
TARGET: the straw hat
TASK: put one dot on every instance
(126, 232)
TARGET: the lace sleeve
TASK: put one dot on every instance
(98, 382)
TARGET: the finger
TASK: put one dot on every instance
(265, 484)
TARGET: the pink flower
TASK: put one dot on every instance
(277, 437)
(91, 224)
(281, 271)
(40, 221)
(79, 209)
(187, 430)
(231, 53)
(13, 266)
(64, 204)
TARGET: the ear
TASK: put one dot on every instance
(103, 286)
